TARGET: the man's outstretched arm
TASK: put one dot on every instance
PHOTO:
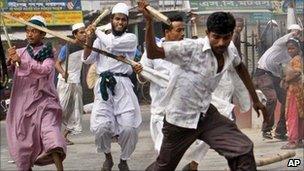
(245, 77)
(153, 51)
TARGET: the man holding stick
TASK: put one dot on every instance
(116, 111)
(34, 116)
(70, 92)
(189, 114)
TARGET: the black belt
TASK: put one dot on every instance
(120, 75)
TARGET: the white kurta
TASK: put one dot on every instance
(120, 114)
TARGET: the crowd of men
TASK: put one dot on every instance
(192, 111)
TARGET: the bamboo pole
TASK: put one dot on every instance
(146, 71)
(101, 16)
(158, 15)
(275, 158)
(7, 36)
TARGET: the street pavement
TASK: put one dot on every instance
(82, 155)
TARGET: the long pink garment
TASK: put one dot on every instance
(295, 125)
(34, 118)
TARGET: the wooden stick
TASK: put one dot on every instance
(275, 158)
(67, 54)
(54, 33)
(7, 36)
(74, 41)
(101, 16)
(158, 15)
(70, 40)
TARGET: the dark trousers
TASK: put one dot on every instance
(270, 86)
(217, 131)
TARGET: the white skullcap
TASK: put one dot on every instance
(273, 21)
(121, 8)
(38, 20)
(77, 26)
(294, 27)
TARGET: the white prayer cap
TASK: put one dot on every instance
(38, 20)
(121, 8)
(294, 27)
(77, 26)
(273, 22)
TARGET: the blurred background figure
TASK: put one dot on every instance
(293, 82)
(269, 35)
(69, 83)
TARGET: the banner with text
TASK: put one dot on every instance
(56, 12)
(275, 6)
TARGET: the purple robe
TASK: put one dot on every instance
(33, 123)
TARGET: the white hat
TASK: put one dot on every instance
(121, 8)
(272, 21)
(77, 26)
(294, 27)
(38, 20)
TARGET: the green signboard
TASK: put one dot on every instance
(275, 6)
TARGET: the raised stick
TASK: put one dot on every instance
(54, 33)
(158, 15)
(7, 36)
(70, 40)
(101, 16)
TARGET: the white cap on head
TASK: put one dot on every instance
(273, 22)
(77, 26)
(294, 27)
(38, 18)
(121, 8)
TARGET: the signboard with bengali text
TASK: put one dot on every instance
(275, 6)
(56, 12)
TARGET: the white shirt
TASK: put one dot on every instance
(156, 91)
(275, 56)
(195, 80)
(231, 86)
(118, 45)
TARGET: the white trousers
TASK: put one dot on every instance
(118, 116)
(70, 95)
(127, 135)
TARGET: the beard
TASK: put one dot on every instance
(118, 33)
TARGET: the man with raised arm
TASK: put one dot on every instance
(189, 114)
(116, 111)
